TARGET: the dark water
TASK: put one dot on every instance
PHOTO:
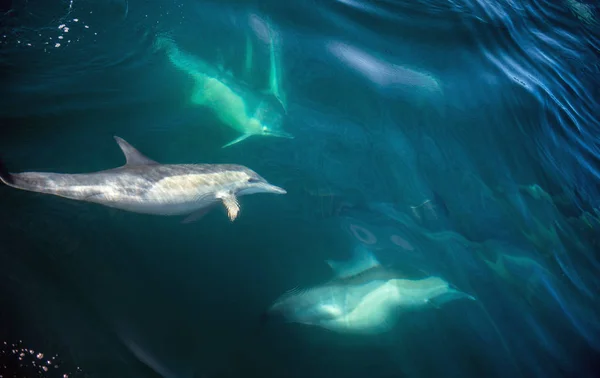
(457, 136)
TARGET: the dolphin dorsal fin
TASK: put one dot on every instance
(133, 156)
(362, 260)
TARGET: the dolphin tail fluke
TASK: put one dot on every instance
(180, 59)
(163, 41)
(33, 182)
(5, 176)
(237, 140)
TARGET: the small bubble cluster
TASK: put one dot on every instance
(16, 360)
(67, 31)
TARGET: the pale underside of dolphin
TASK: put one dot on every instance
(231, 102)
(362, 298)
(145, 186)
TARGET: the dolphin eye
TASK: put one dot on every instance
(253, 180)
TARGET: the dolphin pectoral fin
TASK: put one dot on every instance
(237, 140)
(231, 204)
(278, 96)
(196, 215)
(450, 296)
(132, 155)
(282, 102)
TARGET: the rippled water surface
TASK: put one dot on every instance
(456, 139)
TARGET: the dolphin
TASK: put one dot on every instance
(238, 107)
(265, 29)
(363, 297)
(144, 186)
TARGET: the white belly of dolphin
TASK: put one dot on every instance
(157, 208)
(375, 314)
(176, 195)
(158, 202)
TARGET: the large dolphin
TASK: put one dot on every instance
(144, 186)
(235, 105)
(364, 297)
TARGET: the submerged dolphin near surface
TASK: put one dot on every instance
(363, 298)
(235, 106)
(144, 186)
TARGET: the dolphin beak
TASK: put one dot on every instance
(274, 189)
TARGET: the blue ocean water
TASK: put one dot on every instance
(457, 138)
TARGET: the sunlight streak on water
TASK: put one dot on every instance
(551, 64)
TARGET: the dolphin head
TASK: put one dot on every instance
(259, 128)
(308, 306)
(251, 182)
